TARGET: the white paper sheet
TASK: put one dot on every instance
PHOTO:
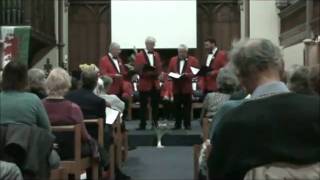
(174, 75)
(111, 115)
(194, 70)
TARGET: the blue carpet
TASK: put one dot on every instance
(151, 163)
(171, 138)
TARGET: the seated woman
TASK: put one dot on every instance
(23, 108)
(228, 84)
(37, 78)
(17, 103)
(62, 111)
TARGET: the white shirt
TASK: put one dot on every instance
(211, 57)
(181, 65)
(115, 61)
(150, 58)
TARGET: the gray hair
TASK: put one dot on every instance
(113, 45)
(255, 55)
(150, 39)
(227, 81)
(183, 47)
(104, 82)
(58, 82)
(36, 78)
(298, 79)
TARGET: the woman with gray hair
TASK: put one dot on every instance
(36, 81)
(227, 83)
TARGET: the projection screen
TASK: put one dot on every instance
(171, 22)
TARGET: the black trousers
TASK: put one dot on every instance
(182, 103)
(154, 96)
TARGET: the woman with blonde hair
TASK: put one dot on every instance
(62, 111)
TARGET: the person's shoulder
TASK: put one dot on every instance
(174, 58)
(74, 106)
(232, 103)
(97, 98)
(30, 96)
(105, 57)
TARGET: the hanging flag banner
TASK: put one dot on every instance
(15, 42)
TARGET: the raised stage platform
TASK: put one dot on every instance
(171, 138)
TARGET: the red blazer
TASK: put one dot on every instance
(209, 81)
(183, 85)
(148, 80)
(107, 67)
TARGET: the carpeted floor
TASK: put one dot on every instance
(169, 163)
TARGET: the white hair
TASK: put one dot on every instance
(114, 45)
(36, 78)
(150, 39)
(183, 47)
(58, 82)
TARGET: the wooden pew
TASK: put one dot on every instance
(58, 174)
(99, 123)
(100, 127)
(78, 164)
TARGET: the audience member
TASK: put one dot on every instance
(36, 80)
(115, 102)
(18, 106)
(64, 112)
(298, 80)
(92, 106)
(273, 126)
(314, 78)
(10, 171)
(227, 84)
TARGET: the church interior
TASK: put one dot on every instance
(159, 89)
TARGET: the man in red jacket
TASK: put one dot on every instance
(215, 59)
(149, 67)
(112, 66)
(182, 86)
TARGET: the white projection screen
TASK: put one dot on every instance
(171, 22)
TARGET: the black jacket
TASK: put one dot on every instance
(280, 128)
(92, 106)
